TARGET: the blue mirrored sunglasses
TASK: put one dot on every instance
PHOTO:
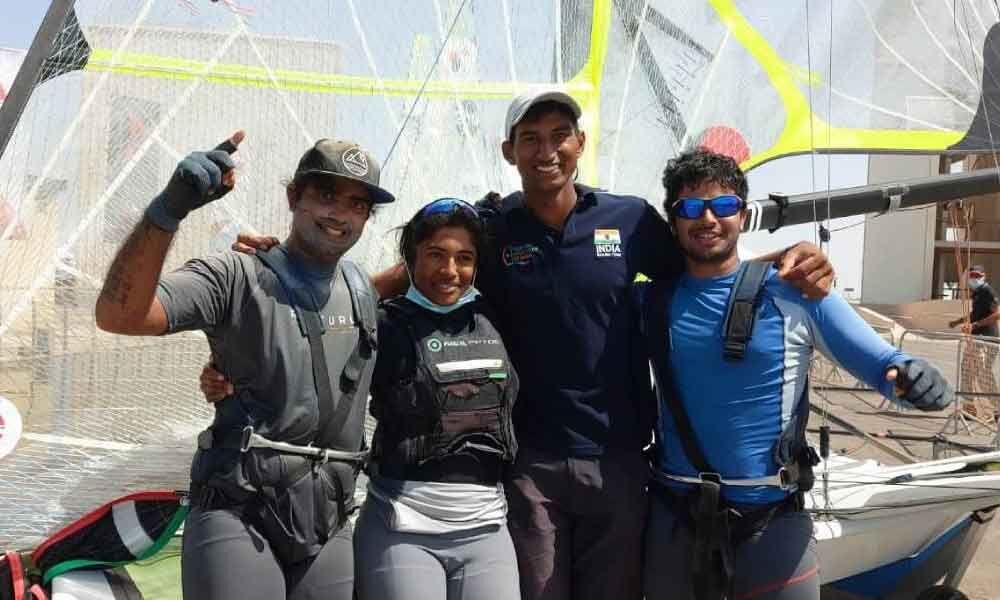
(447, 206)
(721, 206)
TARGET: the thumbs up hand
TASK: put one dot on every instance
(199, 178)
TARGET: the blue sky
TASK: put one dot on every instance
(20, 19)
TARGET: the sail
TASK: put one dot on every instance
(130, 86)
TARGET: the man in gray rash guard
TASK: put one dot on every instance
(294, 329)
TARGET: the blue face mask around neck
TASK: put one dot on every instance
(414, 295)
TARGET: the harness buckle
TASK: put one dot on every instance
(706, 477)
(247, 439)
(789, 477)
(734, 350)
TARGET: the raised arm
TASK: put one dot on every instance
(127, 303)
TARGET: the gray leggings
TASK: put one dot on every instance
(223, 558)
(780, 564)
(469, 565)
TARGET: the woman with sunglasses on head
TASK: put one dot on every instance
(434, 524)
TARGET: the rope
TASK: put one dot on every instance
(423, 86)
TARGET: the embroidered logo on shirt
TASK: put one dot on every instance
(519, 255)
(607, 243)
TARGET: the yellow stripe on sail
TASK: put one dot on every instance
(794, 137)
(585, 86)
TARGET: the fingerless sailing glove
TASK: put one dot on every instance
(196, 181)
(923, 385)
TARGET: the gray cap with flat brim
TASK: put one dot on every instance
(342, 158)
(522, 104)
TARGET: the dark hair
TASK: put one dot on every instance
(295, 185)
(541, 109)
(696, 166)
(421, 228)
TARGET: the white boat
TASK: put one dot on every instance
(893, 531)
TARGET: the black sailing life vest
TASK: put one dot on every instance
(458, 400)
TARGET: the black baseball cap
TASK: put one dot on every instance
(343, 158)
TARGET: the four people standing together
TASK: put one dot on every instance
(524, 410)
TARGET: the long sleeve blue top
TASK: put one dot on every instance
(739, 409)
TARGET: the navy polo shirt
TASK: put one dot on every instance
(562, 304)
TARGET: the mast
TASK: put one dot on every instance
(27, 75)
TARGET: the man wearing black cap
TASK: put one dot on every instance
(273, 477)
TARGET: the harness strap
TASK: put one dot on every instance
(656, 332)
(741, 312)
(331, 419)
(784, 479)
(363, 301)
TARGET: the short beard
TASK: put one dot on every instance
(319, 249)
(713, 257)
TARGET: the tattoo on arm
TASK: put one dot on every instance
(130, 285)
(118, 282)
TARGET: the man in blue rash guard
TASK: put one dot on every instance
(734, 526)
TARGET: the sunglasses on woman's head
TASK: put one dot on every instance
(447, 206)
(721, 206)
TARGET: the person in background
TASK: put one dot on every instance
(979, 360)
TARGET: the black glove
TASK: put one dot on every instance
(196, 181)
(923, 385)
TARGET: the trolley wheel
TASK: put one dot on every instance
(941, 592)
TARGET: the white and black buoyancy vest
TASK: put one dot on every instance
(460, 397)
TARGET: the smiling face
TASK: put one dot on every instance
(708, 242)
(444, 265)
(329, 215)
(545, 149)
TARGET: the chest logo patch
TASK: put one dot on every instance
(519, 255)
(434, 345)
(607, 243)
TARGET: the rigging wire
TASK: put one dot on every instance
(820, 233)
(824, 228)
(423, 86)
(812, 135)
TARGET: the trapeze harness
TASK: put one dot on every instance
(459, 401)
(301, 497)
(718, 527)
